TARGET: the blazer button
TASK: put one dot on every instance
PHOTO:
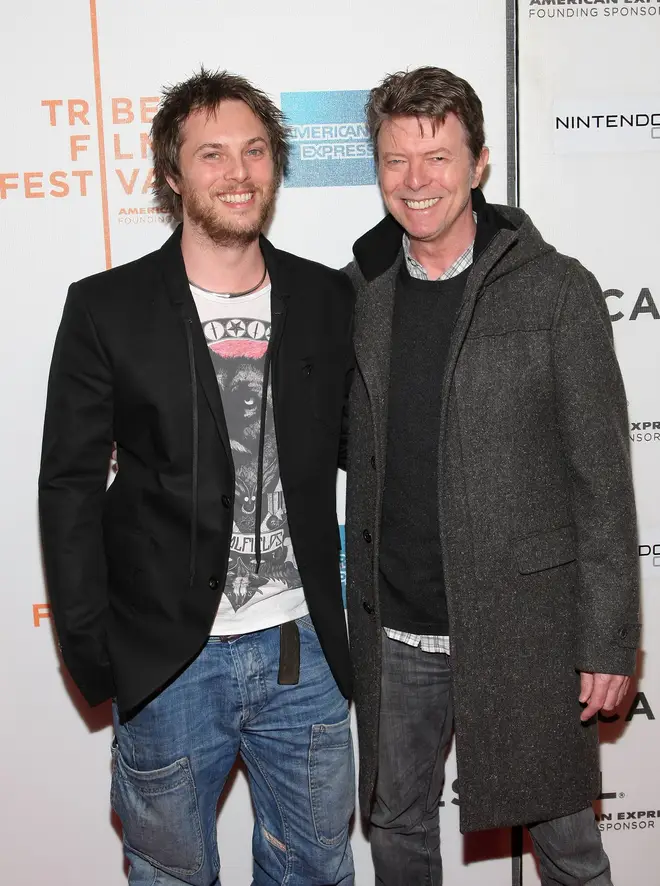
(373, 462)
(366, 535)
(226, 501)
(213, 583)
(368, 608)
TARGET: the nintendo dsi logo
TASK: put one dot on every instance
(329, 139)
(612, 125)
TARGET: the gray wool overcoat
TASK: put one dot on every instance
(536, 518)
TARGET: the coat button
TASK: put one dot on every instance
(226, 501)
(368, 608)
(366, 535)
(213, 583)
(373, 462)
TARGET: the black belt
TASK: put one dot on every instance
(289, 670)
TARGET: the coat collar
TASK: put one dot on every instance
(377, 250)
(379, 254)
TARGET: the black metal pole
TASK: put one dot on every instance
(516, 855)
(512, 108)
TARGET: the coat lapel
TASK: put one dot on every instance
(473, 288)
(373, 330)
(279, 297)
(176, 285)
(373, 336)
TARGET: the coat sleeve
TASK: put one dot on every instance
(77, 444)
(593, 421)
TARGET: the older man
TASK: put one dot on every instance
(490, 516)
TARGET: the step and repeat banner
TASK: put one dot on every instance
(82, 83)
(589, 135)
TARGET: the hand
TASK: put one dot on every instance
(601, 692)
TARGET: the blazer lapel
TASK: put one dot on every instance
(279, 296)
(175, 281)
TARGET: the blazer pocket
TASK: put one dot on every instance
(543, 550)
(323, 382)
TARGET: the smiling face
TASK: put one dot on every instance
(426, 178)
(227, 176)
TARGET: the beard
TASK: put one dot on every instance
(220, 230)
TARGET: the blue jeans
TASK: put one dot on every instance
(171, 760)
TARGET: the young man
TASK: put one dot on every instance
(491, 546)
(202, 589)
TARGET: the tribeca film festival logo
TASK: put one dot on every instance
(580, 9)
(604, 126)
(329, 139)
(131, 151)
(68, 179)
(127, 145)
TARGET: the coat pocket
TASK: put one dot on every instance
(323, 379)
(544, 550)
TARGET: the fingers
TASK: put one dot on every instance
(586, 685)
(601, 692)
(596, 698)
(623, 691)
(612, 697)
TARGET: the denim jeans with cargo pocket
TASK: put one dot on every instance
(171, 760)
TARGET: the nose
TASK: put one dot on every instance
(236, 169)
(417, 175)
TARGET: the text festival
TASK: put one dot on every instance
(74, 113)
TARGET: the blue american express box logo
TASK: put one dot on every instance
(329, 139)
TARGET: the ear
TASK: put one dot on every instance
(173, 184)
(479, 167)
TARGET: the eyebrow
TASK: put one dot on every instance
(219, 146)
(439, 150)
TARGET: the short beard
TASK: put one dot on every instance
(219, 231)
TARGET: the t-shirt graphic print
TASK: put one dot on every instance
(237, 332)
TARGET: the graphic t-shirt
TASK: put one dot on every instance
(237, 331)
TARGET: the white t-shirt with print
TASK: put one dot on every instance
(237, 331)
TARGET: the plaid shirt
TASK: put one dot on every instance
(419, 273)
(429, 642)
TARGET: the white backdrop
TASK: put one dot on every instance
(81, 84)
(589, 157)
(82, 79)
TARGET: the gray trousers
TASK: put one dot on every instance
(415, 729)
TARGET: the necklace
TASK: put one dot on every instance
(232, 294)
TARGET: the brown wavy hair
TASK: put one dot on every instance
(204, 91)
(430, 93)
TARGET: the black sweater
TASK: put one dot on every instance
(411, 579)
